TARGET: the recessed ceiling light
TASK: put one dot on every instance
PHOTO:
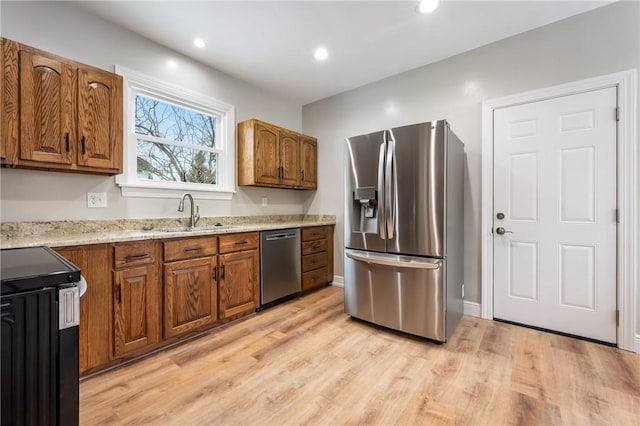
(321, 54)
(426, 6)
(199, 43)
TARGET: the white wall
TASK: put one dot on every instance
(599, 42)
(61, 28)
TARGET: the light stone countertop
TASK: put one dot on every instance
(71, 233)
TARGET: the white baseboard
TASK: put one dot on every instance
(472, 309)
(338, 281)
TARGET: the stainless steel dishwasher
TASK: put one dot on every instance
(280, 275)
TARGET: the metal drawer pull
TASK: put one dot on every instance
(239, 243)
(396, 261)
(136, 256)
(193, 249)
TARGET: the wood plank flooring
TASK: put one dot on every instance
(306, 362)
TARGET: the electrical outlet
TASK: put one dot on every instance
(96, 199)
(264, 202)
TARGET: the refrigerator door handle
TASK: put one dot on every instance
(397, 261)
(381, 207)
(389, 196)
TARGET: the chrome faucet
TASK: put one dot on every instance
(195, 215)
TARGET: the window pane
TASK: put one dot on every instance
(168, 121)
(172, 163)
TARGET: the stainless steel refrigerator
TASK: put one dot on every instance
(404, 229)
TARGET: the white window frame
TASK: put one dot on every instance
(135, 83)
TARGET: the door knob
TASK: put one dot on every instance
(501, 231)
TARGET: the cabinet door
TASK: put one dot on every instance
(96, 321)
(308, 163)
(267, 161)
(190, 299)
(239, 282)
(289, 158)
(3, 138)
(47, 99)
(99, 119)
(135, 309)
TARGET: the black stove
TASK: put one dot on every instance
(40, 315)
(31, 268)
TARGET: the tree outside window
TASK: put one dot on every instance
(175, 144)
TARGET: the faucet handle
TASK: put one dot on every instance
(196, 217)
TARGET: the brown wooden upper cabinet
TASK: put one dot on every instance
(59, 114)
(272, 156)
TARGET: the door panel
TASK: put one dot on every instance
(46, 109)
(135, 309)
(555, 181)
(99, 119)
(403, 298)
(363, 228)
(308, 160)
(190, 295)
(418, 185)
(267, 156)
(239, 283)
(290, 158)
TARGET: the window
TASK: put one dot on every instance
(175, 141)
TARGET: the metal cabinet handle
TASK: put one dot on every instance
(83, 146)
(215, 273)
(501, 231)
(222, 272)
(119, 293)
(66, 141)
(302, 172)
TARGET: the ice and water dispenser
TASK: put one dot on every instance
(365, 203)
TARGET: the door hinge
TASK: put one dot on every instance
(617, 215)
(617, 316)
(618, 113)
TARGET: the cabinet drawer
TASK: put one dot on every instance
(132, 254)
(314, 261)
(314, 233)
(239, 242)
(188, 248)
(316, 246)
(314, 278)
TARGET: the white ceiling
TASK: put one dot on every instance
(270, 43)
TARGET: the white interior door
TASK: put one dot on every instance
(555, 183)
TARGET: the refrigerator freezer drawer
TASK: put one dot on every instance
(399, 292)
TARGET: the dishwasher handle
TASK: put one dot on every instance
(281, 236)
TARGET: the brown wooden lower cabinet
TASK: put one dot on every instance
(135, 309)
(96, 305)
(317, 256)
(239, 286)
(143, 293)
(135, 296)
(190, 295)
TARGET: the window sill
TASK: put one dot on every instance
(142, 190)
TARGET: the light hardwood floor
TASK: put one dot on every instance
(306, 362)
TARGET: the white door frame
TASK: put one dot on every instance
(627, 168)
